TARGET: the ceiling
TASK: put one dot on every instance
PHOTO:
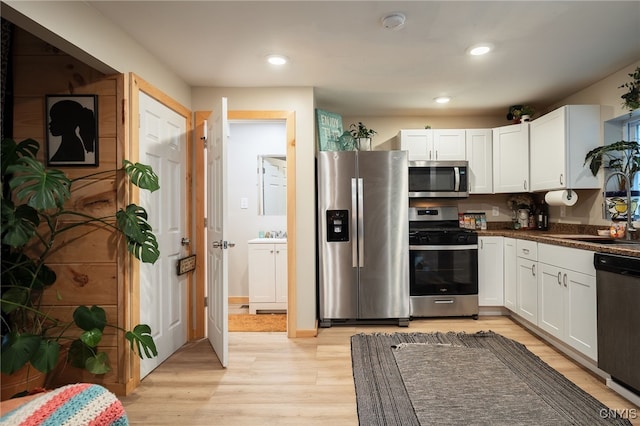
(544, 50)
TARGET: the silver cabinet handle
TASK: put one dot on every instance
(564, 280)
(559, 279)
(561, 179)
(525, 251)
(533, 270)
(525, 184)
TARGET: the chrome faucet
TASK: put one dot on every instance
(629, 212)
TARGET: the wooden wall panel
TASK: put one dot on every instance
(90, 269)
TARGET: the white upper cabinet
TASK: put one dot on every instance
(428, 144)
(559, 142)
(480, 158)
(511, 158)
(449, 144)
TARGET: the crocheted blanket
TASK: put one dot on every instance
(78, 404)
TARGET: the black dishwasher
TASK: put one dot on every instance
(618, 298)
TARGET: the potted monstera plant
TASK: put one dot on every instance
(35, 213)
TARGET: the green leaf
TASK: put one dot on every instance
(19, 225)
(141, 338)
(17, 350)
(14, 298)
(91, 337)
(12, 151)
(89, 319)
(79, 353)
(43, 189)
(141, 242)
(98, 364)
(46, 357)
(141, 175)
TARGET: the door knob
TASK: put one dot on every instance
(216, 244)
(185, 241)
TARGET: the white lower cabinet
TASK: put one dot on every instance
(267, 276)
(567, 296)
(510, 273)
(490, 279)
(527, 280)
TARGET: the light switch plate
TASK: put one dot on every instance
(244, 203)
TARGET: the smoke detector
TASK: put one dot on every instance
(394, 21)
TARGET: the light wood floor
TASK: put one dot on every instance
(273, 380)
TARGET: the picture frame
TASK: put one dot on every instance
(72, 130)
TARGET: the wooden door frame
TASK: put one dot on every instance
(137, 85)
(198, 329)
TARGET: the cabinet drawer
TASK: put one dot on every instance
(527, 249)
(568, 258)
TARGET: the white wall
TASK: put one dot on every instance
(79, 30)
(247, 140)
(301, 101)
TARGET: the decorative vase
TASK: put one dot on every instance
(364, 144)
(616, 204)
(523, 218)
(525, 118)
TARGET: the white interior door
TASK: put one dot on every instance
(217, 245)
(163, 293)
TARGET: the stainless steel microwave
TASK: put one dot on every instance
(438, 179)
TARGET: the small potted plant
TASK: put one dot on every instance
(622, 157)
(520, 113)
(36, 214)
(363, 135)
(631, 99)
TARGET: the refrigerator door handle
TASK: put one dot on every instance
(360, 223)
(354, 219)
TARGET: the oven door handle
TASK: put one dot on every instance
(445, 247)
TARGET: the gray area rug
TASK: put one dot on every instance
(458, 378)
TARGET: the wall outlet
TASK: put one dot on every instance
(495, 211)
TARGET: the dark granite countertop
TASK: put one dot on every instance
(568, 239)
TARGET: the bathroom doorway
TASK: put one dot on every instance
(256, 203)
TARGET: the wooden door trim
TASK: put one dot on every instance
(289, 118)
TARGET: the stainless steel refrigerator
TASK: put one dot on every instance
(363, 234)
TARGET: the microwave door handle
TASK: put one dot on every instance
(354, 218)
(456, 184)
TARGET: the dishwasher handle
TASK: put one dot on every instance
(617, 264)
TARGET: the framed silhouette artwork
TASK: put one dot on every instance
(72, 130)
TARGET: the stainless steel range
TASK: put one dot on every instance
(443, 264)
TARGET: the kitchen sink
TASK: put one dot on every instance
(597, 239)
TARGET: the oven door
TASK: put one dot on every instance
(440, 270)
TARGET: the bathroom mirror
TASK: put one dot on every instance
(272, 185)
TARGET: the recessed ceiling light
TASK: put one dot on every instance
(480, 49)
(277, 59)
(442, 99)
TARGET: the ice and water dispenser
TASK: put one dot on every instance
(337, 225)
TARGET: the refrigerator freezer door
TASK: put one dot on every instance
(338, 272)
(384, 275)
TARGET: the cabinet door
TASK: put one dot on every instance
(261, 273)
(551, 298)
(548, 151)
(528, 290)
(418, 143)
(511, 158)
(510, 274)
(449, 144)
(480, 158)
(490, 267)
(581, 313)
(281, 273)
